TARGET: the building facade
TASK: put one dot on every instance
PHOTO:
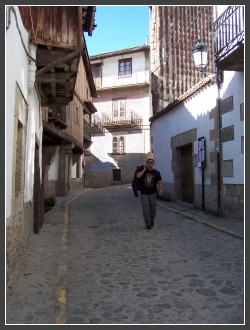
(43, 56)
(120, 127)
(67, 133)
(197, 127)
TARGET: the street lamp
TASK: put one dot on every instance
(199, 51)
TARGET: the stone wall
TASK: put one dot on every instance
(104, 178)
(233, 201)
(18, 232)
(76, 183)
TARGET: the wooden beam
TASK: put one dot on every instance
(53, 89)
(53, 43)
(58, 77)
(51, 101)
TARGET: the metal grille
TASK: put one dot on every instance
(228, 31)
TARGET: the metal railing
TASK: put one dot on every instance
(96, 122)
(136, 119)
(228, 31)
(131, 117)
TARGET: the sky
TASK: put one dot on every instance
(118, 27)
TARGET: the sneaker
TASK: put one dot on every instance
(149, 227)
(152, 223)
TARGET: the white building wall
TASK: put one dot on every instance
(73, 171)
(137, 141)
(34, 128)
(22, 107)
(53, 170)
(18, 73)
(234, 86)
(193, 113)
(110, 70)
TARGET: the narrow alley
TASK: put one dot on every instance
(94, 262)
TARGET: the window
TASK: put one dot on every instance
(119, 145)
(125, 67)
(97, 74)
(122, 149)
(118, 109)
(116, 175)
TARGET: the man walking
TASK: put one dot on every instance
(149, 179)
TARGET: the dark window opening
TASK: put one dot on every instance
(117, 175)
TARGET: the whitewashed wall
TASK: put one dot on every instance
(193, 113)
(17, 72)
(110, 70)
(53, 170)
(137, 142)
(234, 86)
(16, 65)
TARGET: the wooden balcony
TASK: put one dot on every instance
(57, 116)
(57, 32)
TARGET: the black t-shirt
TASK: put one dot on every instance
(149, 181)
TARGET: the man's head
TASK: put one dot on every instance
(150, 163)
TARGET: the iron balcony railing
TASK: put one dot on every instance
(96, 123)
(131, 118)
(228, 31)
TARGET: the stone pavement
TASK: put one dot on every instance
(94, 262)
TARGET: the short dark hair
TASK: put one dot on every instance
(150, 159)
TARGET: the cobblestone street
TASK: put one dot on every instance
(94, 262)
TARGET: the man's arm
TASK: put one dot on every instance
(140, 174)
(160, 191)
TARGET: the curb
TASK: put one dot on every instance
(206, 223)
(61, 310)
(84, 192)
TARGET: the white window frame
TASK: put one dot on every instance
(119, 148)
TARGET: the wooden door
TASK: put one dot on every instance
(187, 174)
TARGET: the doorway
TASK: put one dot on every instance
(187, 173)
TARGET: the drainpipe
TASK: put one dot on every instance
(219, 192)
(32, 72)
(76, 53)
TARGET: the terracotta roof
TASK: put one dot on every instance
(182, 98)
(121, 52)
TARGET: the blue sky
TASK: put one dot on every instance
(118, 27)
